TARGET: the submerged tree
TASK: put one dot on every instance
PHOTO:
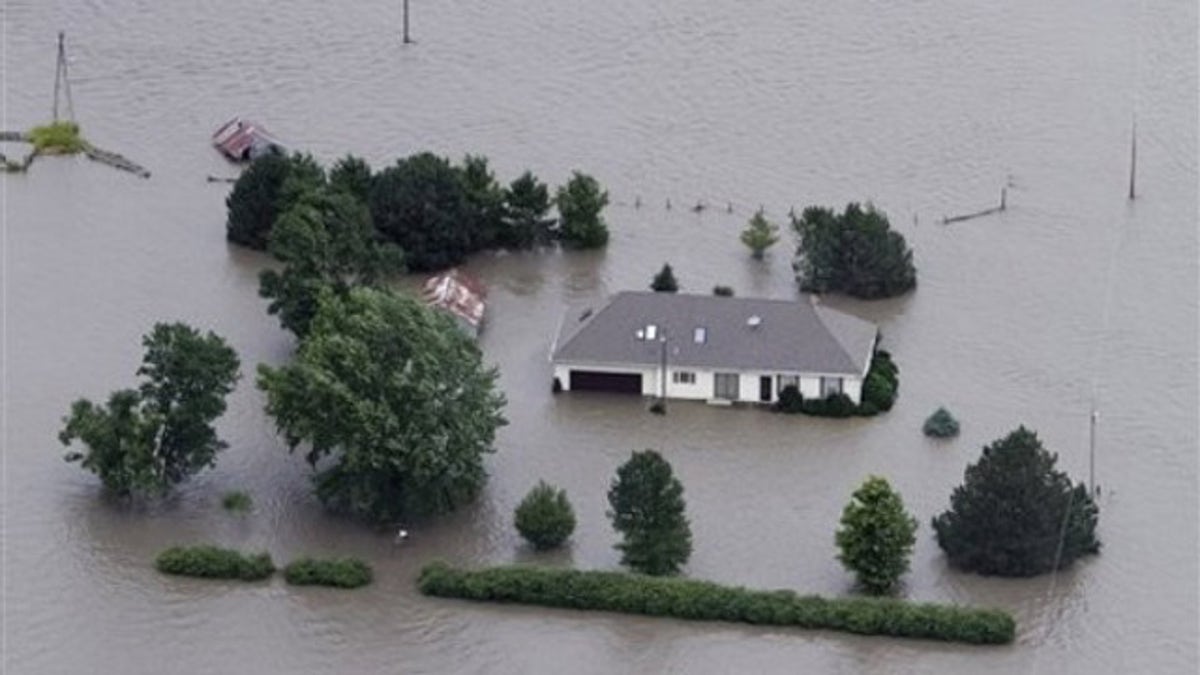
(760, 234)
(647, 508)
(485, 199)
(147, 440)
(527, 201)
(325, 240)
(1015, 515)
(876, 536)
(545, 518)
(580, 202)
(395, 397)
(352, 175)
(264, 190)
(664, 281)
(419, 203)
(854, 252)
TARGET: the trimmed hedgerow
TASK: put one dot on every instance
(339, 573)
(211, 562)
(706, 601)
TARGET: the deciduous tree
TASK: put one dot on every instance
(395, 399)
(854, 252)
(580, 202)
(876, 536)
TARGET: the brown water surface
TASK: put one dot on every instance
(925, 108)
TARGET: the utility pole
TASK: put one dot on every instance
(406, 38)
(61, 80)
(1092, 452)
(1133, 161)
(663, 341)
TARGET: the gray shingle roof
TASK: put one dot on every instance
(790, 336)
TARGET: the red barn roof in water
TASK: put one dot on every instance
(243, 140)
(459, 294)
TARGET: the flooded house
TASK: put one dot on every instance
(712, 348)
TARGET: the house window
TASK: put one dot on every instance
(683, 377)
(725, 385)
(830, 386)
(786, 381)
(700, 335)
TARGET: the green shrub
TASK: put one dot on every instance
(878, 394)
(61, 137)
(236, 500)
(941, 424)
(706, 601)
(545, 518)
(212, 562)
(723, 291)
(339, 573)
(790, 400)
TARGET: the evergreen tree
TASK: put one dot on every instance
(759, 235)
(664, 281)
(545, 518)
(527, 201)
(647, 508)
(580, 202)
(264, 190)
(485, 201)
(352, 175)
(855, 252)
(1016, 515)
(419, 204)
(876, 536)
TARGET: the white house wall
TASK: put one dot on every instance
(703, 388)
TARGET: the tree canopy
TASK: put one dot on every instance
(854, 252)
(580, 202)
(352, 175)
(1016, 515)
(525, 222)
(485, 200)
(324, 240)
(397, 400)
(147, 440)
(647, 509)
(264, 190)
(759, 235)
(420, 204)
(544, 517)
(664, 281)
(876, 536)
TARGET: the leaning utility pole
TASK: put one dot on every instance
(61, 81)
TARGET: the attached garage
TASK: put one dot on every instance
(591, 380)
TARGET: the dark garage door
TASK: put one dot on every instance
(590, 380)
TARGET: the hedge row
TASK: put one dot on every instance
(706, 601)
(339, 573)
(211, 562)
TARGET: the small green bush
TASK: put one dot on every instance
(545, 518)
(236, 500)
(723, 291)
(339, 573)
(706, 601)
(790, 400)
(211, 562)
(941, 424)
(61, 137)
(878, 394)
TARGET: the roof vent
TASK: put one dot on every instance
(754, 321)
(586, 313)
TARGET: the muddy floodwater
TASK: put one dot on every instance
(1074, 295)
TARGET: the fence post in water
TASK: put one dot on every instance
(406, 38)
(1092, 453)
(1003, 198)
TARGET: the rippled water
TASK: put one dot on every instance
(926, 109)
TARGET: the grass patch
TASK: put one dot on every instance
(706, 601)
(211, 562)
(339, 573)
(57, 137)
(236, 500)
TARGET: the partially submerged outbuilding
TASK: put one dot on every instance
(460, 295)
(242, 140)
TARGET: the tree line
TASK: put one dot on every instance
(435, 211)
